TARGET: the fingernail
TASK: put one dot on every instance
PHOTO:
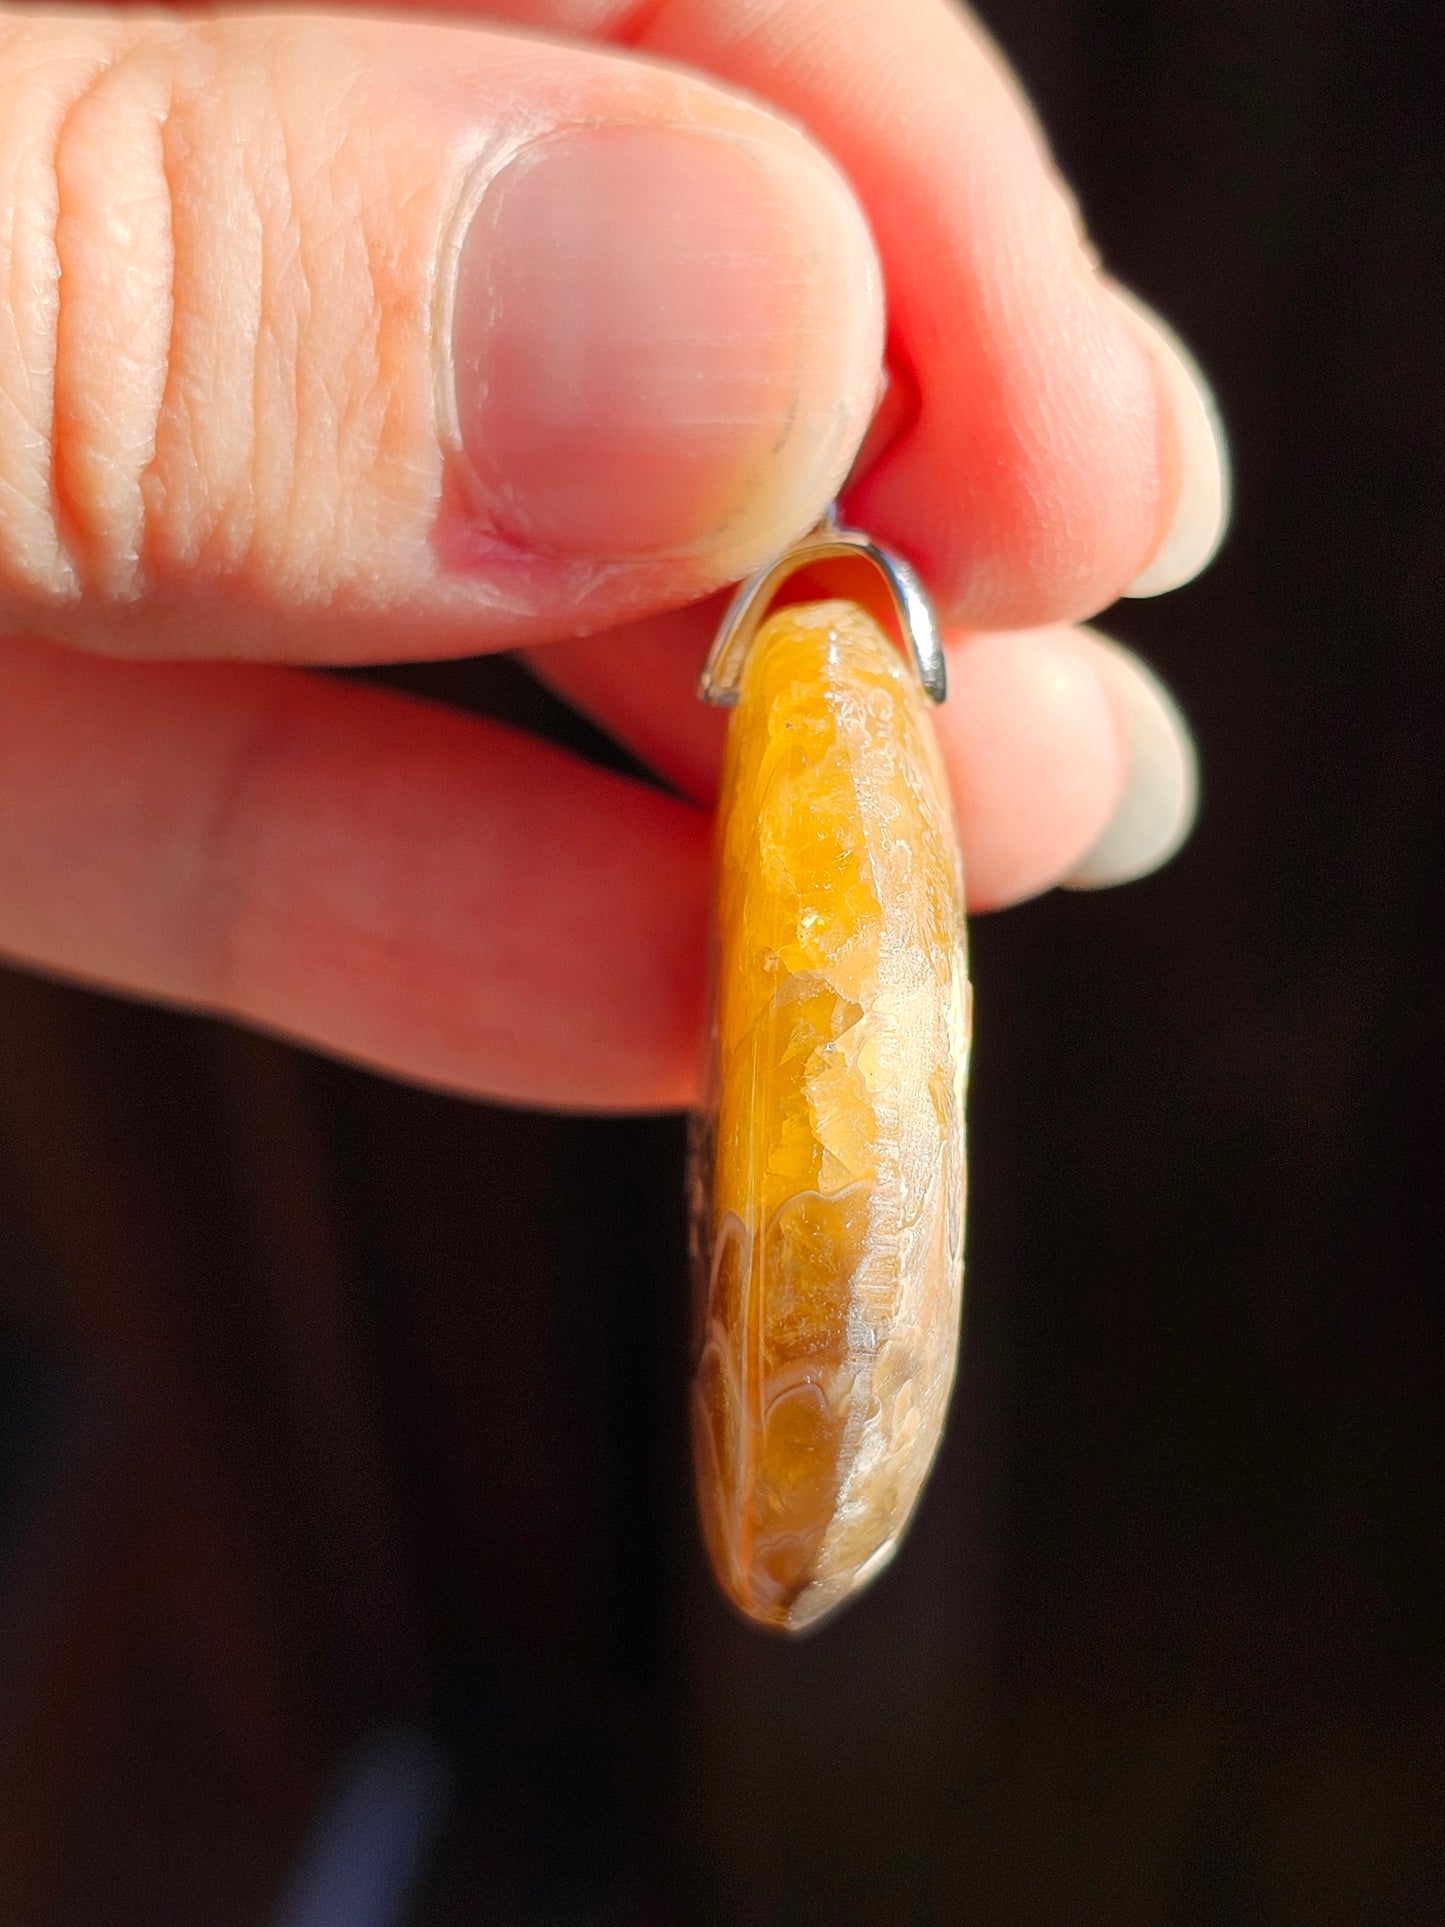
(664, 341)
(1160, 797)
(1201, 505)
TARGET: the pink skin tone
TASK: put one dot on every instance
(236, 464)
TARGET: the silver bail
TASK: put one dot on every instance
(722, 672)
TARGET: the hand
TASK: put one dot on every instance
(340, 340)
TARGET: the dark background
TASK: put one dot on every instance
(325, 1403)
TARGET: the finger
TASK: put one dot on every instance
(1160, 797)
(639, 683)
(1066, 758)
(1033, 753)
(345, 339)
(437, 896)
(1063, 450)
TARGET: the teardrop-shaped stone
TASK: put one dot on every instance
(828, 1177)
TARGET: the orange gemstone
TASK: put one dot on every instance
(828, 1179)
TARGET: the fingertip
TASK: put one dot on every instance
(1027, 487)
(666, 340)
(1034, 756)
(1159, 797)
(1196, 495)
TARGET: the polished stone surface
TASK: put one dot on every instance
(829, 1162)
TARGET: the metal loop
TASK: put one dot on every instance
(722, 672)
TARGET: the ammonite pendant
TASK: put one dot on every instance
(828, 1158)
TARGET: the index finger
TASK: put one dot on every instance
(1062, 451)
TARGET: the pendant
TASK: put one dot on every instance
(827, 1164)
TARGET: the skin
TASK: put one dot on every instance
(210, 481)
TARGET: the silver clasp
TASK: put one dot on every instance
(722, 672)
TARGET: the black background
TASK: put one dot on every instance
(327, 1402)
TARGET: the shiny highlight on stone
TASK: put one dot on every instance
(828, 1161)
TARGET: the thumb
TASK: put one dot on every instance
(339, 340)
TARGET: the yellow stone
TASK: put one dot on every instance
(828, 1177)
